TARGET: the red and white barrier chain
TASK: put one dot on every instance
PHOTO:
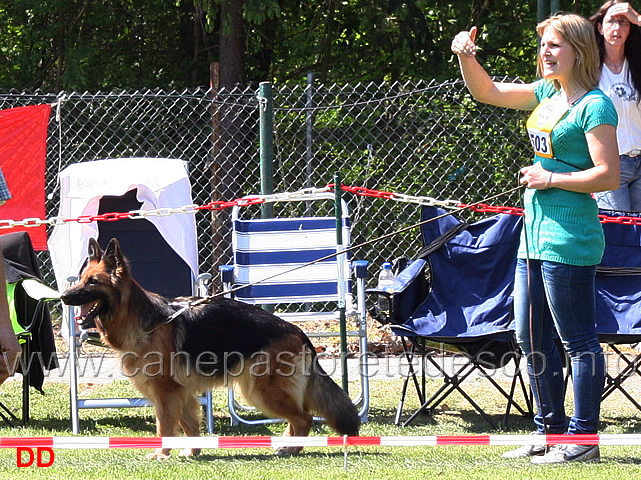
(298, 195)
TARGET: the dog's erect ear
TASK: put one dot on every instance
(94, 251)
(113, 258)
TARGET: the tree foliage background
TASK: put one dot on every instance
(95, 45)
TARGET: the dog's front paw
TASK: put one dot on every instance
(287, 451)
(159, 454)
(189, 452)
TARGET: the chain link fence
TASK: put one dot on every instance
(422, 139)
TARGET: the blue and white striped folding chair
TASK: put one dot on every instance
(292, 262)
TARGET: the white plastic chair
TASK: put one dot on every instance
(167, 241)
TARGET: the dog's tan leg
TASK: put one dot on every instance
(280, 397)
(168, 400)
(190, 423)
(296, 425)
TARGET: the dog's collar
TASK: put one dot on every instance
(184, 306)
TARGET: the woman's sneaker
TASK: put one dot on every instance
(523, 451)
(569, 453)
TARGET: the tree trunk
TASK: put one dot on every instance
(229, 132)
(232, 44)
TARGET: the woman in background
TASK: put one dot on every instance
(618, 36)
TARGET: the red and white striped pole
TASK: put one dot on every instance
(225, 442)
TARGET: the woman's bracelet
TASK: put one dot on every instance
(547, 184)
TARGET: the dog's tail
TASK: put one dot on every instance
(326, 399)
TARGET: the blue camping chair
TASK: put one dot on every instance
(618, 303)
(457, 297)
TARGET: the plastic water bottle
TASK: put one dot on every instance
(385, 283)
(386, 278)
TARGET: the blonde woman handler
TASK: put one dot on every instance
(572, 130)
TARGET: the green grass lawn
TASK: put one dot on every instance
(50, 417)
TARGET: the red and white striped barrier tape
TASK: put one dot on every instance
(277, 442)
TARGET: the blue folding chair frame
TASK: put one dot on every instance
(618, 303)
(467, 307)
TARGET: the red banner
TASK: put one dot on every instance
(23, 147)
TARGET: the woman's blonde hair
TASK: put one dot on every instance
(578, 32)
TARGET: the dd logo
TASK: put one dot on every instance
(29, 457)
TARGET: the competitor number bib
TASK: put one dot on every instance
(541, 122)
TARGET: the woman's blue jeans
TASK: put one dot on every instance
(560, 298)
(626, 198)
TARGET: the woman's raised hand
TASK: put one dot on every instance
(463, 43)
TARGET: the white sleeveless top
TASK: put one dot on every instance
(619, 88)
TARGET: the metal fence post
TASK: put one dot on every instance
(266, 146)
(309, 129)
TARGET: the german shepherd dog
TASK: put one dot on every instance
(171, 359)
